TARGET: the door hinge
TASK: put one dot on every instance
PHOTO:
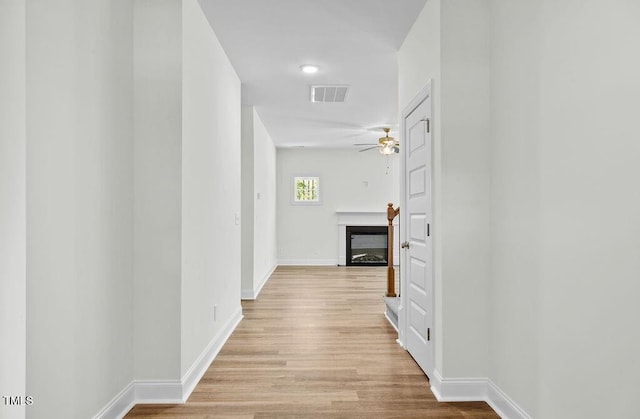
(428, 334)
(428, 230)
(428, 124)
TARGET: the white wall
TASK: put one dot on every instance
(247, 180)
(465, 165)
(158, 187)
(448, 45)
(418, 62)
(187, 241)
(265, 256)
(349, 180)
(259, 203)
(562, 212)
(588, 180)
(565, 265)
(125, 199)
(79, 204)
(210, 186)
(515, 202)
(12, 206)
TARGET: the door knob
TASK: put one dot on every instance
(405, 245)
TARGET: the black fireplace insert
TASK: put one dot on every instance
(366, 246)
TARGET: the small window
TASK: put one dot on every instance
(306, 189)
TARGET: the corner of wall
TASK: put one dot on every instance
(252, 294)
(247, 191)
(13, 206)
(476, 389)
(169, 391)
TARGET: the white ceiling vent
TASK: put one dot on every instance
(329, 93)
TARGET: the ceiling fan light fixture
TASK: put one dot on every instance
(386, 146)
(309, 68)
(387, 150)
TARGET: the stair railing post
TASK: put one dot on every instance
(391, 274)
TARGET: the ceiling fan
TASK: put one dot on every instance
(386, 145)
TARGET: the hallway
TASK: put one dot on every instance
(315, 344)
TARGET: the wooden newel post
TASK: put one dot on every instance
(391, 274)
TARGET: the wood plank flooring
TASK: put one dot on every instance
(315, 345)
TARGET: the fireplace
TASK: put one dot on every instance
(366, 246)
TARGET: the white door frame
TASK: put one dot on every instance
(424, 94)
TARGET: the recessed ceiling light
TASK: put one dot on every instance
(309, 69)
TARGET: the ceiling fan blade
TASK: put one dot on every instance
(362, 144)
(369, 148)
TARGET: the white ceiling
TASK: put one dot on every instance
(354, 42)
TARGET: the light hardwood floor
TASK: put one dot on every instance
(315, 344)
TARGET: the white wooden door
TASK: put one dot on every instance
(417, 269)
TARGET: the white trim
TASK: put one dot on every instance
(386, 315)
(502, 404)
(169, 391)
(200, 366)
(355, 218)
(363, 218)
(253, 294)
(308, 262)
(264, 280)
(158, 392)
(389, 312)
(247, 295)
(476, 389)
(435, 382)
(120, 404)
(458, 389)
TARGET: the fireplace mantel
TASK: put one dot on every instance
(361, 218)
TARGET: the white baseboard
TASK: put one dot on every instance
(200, 366)
(264, 280)
(308, 262)
(386, 315)
(458, 389)
(158, 392)
(253, 294)
(475, 389)
(120, 404)
(247, 295)
(169, 391)
(502, 404)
